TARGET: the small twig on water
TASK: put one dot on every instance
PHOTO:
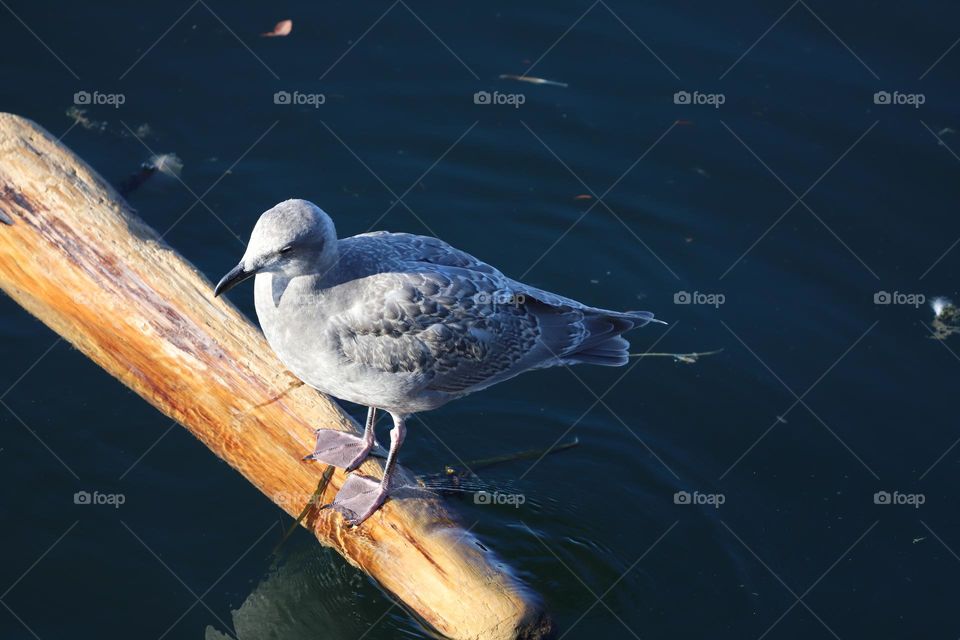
(688, 358)
(452, 476)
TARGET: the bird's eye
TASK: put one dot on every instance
(287, 249)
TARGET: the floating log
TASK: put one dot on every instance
(77, 257)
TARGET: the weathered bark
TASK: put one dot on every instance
(79, 259)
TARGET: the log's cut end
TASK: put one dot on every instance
(76, 256)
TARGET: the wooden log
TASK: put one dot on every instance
(79, 259)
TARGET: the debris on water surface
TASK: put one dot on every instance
(282, 28)
(167, 164)
(457, 481)
(686, 358)
(940, 306)
(80, 117)
(533, 80)
(946, 319)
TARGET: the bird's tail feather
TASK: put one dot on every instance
(643, 318)
(605, 346)
(612, 352)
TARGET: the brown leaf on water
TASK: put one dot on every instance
(282, 28)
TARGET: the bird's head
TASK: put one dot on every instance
(294, 237)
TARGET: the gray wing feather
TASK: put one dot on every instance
(435, 323)
(434, 311)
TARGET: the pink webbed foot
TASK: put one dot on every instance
(359, 498)
(340, 449)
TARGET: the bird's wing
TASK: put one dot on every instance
(435, 311)
(412, 250)
(457, 328)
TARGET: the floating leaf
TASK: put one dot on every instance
(282, 28)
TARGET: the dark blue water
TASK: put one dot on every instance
(820, 398)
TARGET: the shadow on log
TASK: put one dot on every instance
(79, 259)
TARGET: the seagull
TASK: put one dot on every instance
(403, 323)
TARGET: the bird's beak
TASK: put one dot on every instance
(234, 277)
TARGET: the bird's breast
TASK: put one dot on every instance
(297, 327)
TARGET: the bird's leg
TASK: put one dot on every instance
(343, 449)
(360, 497)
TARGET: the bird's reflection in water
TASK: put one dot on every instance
(311, 592)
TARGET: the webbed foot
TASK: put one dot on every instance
(359, 498)
(340, 449)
